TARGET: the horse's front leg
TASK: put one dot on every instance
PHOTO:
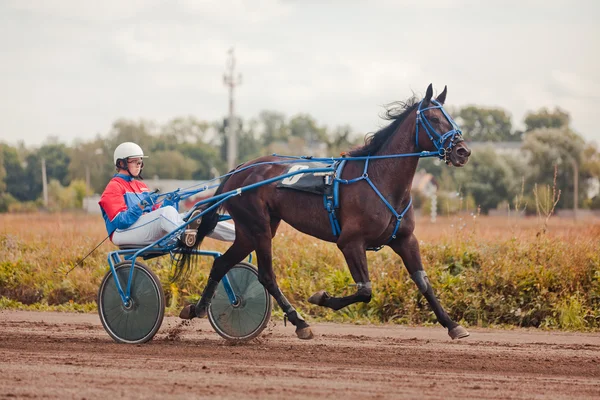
(408, 248)
(356, 258)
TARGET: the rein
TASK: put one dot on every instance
(438, 140)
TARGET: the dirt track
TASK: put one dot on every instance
(56, 355)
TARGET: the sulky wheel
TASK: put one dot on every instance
(245, 318)
(138, 321)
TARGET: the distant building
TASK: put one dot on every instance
(423, 182)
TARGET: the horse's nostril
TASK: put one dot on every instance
(463, 152)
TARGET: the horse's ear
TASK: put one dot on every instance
(442, 96)
(428, 94)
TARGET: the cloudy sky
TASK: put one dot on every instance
(69, 68)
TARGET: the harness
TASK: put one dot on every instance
(333, 171)
(332, 177)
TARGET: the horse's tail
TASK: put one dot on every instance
(184, 264)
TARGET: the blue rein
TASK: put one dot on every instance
(331, 203)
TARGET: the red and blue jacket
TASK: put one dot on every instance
(120, 202)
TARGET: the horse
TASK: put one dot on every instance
(365, 220)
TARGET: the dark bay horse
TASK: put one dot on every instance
(365, 220)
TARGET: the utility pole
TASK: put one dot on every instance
(231, 82)
(87, 179)
(575, 188)
(44, 183)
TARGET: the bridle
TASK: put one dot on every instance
(454, 135)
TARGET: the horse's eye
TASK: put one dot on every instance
(435, 120)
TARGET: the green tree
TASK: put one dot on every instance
(57, 167)
(170, 164)
(341, 140)
(488, 178)
(248, 145)
(480, 124)
(140, 132)
(273, 126)
(92, 159)
(543, 118)
(16, 183)
(591, 161)
(208, 160)
(561, 147)
(2, 173)
(179, 131)
(304, 126)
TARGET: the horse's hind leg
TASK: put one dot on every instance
(356, 258)
(266, 276)
(408, 248)
(241, 247)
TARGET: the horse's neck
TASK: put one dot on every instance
(394, 176)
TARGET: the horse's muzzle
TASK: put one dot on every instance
(459, 156)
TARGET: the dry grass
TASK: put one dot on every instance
(486, 270)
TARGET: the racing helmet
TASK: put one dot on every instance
(127, 150)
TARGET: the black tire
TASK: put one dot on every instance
(247, 319)
(139, 322)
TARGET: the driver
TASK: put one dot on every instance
(130, 215)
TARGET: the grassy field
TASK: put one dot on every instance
(486, 271)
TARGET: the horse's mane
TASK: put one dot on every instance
(396, 112)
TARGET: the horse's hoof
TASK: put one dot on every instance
(188, 312)
(202, 312)
(304, 333)
(458, 332)
(318, 298)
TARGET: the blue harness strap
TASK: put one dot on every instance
(332, 202)
(331, 199)
(331, 196)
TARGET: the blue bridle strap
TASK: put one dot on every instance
(437, 139)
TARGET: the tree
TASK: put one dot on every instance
(2, 173)
(93, 159)
(341, 140)
(561, 147)
(208, 160)
(481, 124)
(170, 164)
(248, 145)
(488, 178)
(15, 179)
(590, 164)
(273, 127)
(543, 118)
(304, 126)
(57, 167)
(179, 131)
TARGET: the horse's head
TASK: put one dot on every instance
(437, 131)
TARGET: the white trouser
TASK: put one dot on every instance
(156, 224)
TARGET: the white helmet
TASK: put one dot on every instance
(126, 150)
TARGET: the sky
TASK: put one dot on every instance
(70, 68)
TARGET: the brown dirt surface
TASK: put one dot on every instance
(62, 355)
